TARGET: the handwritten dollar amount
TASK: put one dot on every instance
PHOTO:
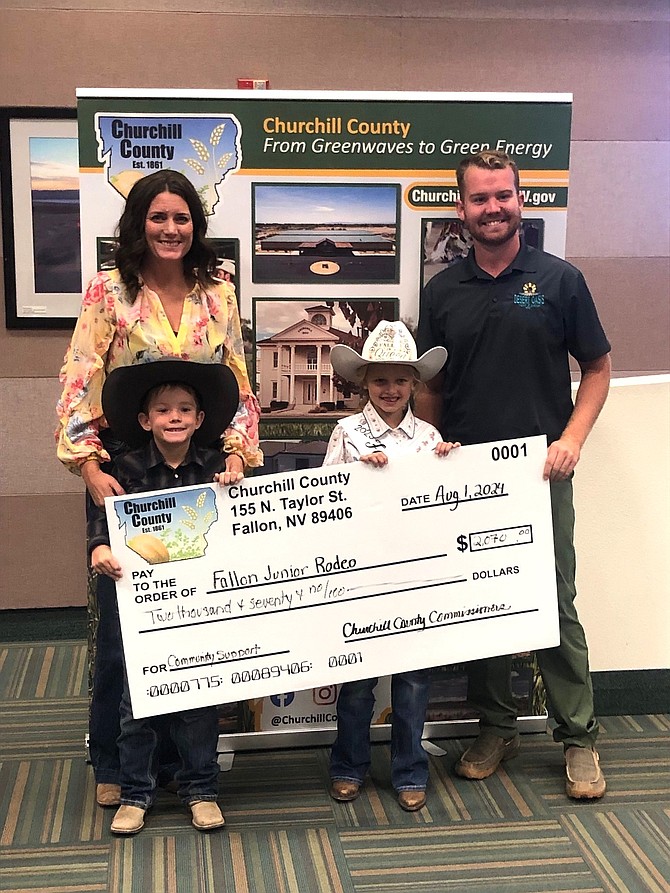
(495, 539)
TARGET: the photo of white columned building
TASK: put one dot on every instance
(294, 368)
(293, 372)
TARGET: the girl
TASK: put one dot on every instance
(388, 369)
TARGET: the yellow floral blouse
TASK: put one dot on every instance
(114, 331)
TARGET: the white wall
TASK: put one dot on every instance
(622, 501)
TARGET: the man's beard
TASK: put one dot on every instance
(480, 233)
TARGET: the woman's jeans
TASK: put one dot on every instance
(104, 720)
(103, 727)
(195, 734)
(350, 756)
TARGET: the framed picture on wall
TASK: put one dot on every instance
(39, 179)
(228, 257)
(443, 241)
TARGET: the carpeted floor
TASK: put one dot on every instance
(515, 832)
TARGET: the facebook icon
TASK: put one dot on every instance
(283, 700)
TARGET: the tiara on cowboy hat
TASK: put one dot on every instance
(389, 343)
(125, 390)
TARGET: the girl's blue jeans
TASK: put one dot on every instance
(350, 756)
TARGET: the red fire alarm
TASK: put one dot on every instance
(253, 84)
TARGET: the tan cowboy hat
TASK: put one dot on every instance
(389, 343)
(225, 264)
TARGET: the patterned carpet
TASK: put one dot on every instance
(515, 832)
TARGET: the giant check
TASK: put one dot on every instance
(308, 578)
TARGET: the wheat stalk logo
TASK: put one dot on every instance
(185, 538)
(208, 161)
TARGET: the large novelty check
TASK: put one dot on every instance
(303, 579)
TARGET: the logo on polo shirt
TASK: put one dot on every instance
(529, 297)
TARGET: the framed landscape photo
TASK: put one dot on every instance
(39, 170)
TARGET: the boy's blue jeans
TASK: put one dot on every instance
(194, 732)
(350, 756)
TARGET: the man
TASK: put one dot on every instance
(509, 317)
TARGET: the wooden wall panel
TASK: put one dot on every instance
(42, 551)
(618, 71)
(619, 199)
(632, 298)
(29, 465)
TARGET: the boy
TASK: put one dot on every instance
(388, 370)
(173, 411)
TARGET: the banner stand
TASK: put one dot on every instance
(295, 719)
(324, 737)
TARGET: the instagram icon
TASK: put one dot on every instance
(326, 694)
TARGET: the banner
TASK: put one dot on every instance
(340, 199)
(328, 211)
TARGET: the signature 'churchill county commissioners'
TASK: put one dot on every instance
(289, 593)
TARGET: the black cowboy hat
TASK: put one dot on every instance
(125, 389)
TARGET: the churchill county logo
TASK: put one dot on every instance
(169, 527)
(529, 297)
(206, 149)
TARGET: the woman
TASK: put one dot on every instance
(162, 300)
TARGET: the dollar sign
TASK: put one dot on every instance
(462, 541)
